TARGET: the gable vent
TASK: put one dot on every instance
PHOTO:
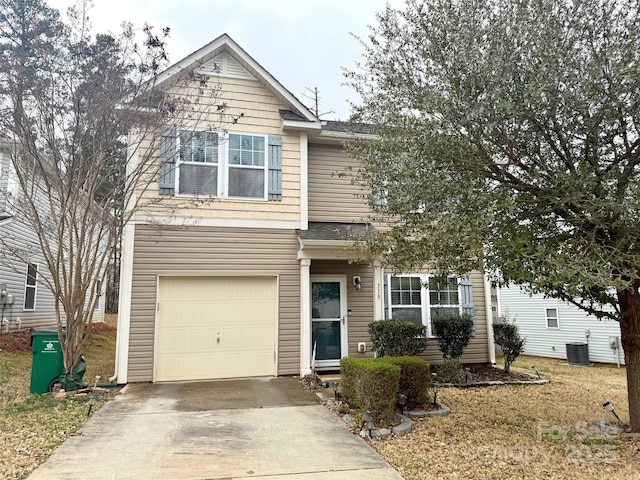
(226, 66)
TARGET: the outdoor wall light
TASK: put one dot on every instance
(357, 283)
(609, 407)
(535, 369)
(402, 402)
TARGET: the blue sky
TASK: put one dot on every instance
(303, 43)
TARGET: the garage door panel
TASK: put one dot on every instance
(215, 327)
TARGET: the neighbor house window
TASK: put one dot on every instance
(98, 293)
(230, 166)
(552, 317)
(30, 287)
(420, 298)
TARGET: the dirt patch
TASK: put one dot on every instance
(20, 342)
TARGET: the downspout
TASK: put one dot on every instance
(489, 314)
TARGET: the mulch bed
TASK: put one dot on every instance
(20, 342)
(481, 374)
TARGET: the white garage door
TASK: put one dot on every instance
(215, 327)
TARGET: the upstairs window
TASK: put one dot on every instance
(247, 172)
(212, 164)
(198, 170)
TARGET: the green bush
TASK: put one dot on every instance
(371, 384)
(397, 338)
(454, 334)
(511, 343)
(415, 379)
(450, 371)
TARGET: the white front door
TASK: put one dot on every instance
(328, 320)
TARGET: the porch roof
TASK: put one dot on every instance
(336, 231)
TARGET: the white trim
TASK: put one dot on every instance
(34, 287)
(124, 304)
(126, 273)
(304, 181)
(425, 300)
(314, 127)
(344, 318)
(489, 314)
(223, 165)
(378, 291)
(305, 317)
(556, 318)
(216, 222)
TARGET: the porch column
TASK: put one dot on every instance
(487, 308)
(305, 316)
(378, 291)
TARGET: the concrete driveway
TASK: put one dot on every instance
(268, 428)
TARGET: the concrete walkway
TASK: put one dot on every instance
(254, 428)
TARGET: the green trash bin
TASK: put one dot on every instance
(48, 361)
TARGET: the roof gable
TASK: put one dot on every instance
(223, 56)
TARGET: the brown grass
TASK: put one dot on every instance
(516, 432)
(32, 426)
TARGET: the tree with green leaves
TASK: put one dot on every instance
(81, 117)
(509, 141)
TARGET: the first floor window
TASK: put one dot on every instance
(551, 315)
(420, 298)
(30, 287)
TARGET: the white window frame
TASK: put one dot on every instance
(556, 318)
(224, 166)
(425, 301)
(27, 286)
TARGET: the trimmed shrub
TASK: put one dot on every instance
(454, 334)
(450, 371)
(397, 338)
(371, 384)
(415, 379)
(511, 343)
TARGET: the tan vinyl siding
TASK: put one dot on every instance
(332, 197)
(360, 302)
(211, 251)
(260, 109)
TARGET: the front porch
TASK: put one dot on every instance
(340, 295)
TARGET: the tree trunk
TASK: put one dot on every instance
(630, 335)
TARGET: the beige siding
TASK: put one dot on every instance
(332, 197)
(260, 109)
(360, 302)
(209, 251)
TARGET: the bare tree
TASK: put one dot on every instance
(82, 117)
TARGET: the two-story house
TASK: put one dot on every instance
(258, 276)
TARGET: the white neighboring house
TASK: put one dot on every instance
(25, 301)
(549, 324)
